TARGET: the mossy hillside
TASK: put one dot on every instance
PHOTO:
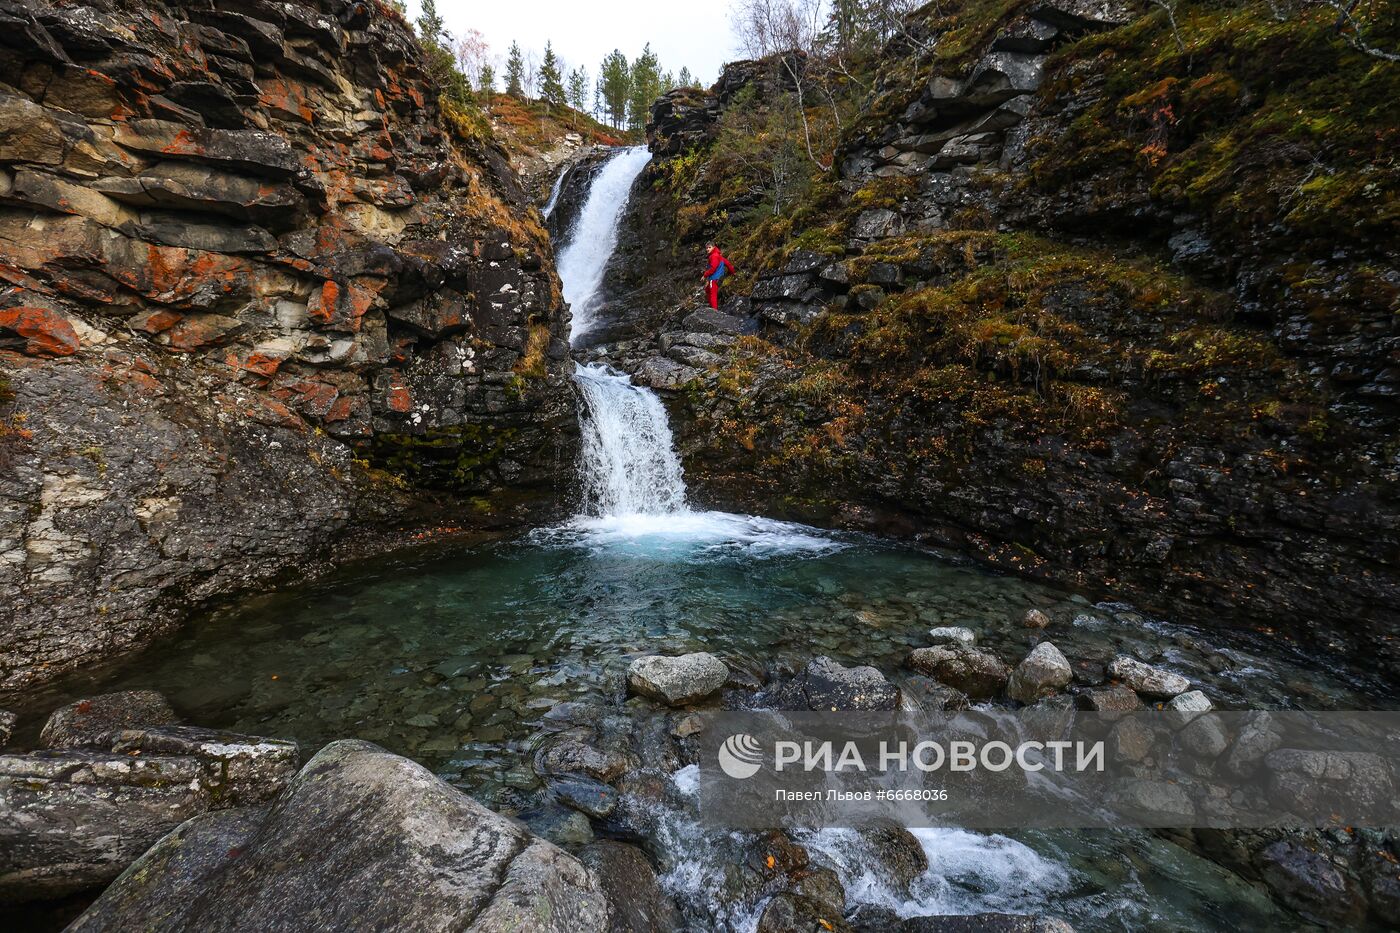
(1003, 341)
(533, 126)
(456, 458)
(1267, 126)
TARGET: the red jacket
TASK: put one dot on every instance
(719, 266)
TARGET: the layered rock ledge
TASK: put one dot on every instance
(256, 291)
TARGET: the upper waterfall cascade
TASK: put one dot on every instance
(629, 464)
(631, 475)
(593, 238)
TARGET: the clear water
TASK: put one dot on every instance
(455, 658)
(460, 658)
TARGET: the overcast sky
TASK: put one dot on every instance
(697, 35)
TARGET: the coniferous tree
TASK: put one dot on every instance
(615, 82)
(578, 88)
(645, 88)
(515, 71)
(486, 81)
(685, 79)
(430, 24)
(435, 42)
(551, 83)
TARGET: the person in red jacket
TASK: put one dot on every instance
(719, 267)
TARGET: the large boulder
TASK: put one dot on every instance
(976, 673)
(72, 820)
(360, 839)
(677, 681)
(1043, 672)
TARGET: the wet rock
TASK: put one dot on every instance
(976, 673)
(1310, 883)
(424, 857)
(1043, 672)
(677, 681)
(983, 923)
(561, 825)
(1205, 737)
(592, 798)
(1185, 707)
(1034, 618)
(1130, 739)
(1301, 779)
(91, 723)
(1146, 680)
(929, 695)
(1252, 743)
(952, 634)
(816, 905)
(574, 752)
(1115, 699)
(828, 686)
(631, 887)
(74, 819)
(900, 856)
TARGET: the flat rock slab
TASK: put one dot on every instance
(1147, 680)
(677, 681)
(73, 819)
(90, 723)
(360, 840)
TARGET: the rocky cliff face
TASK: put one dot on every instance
(256, 291)
(1073, 300)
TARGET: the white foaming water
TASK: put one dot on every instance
(594, 235)
(968, 873)
(554, 192)
(634, 492)
(630, 467)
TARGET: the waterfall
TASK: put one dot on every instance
(593, 238)
(628, 464)
(629, 461)
(554, 192)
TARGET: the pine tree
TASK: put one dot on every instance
(551, 85)
(435, 42)
(515, 71)
(645, 88)
(685, 79)
(486, 81)
(578, 88)
(615, 80)
(430, 24)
